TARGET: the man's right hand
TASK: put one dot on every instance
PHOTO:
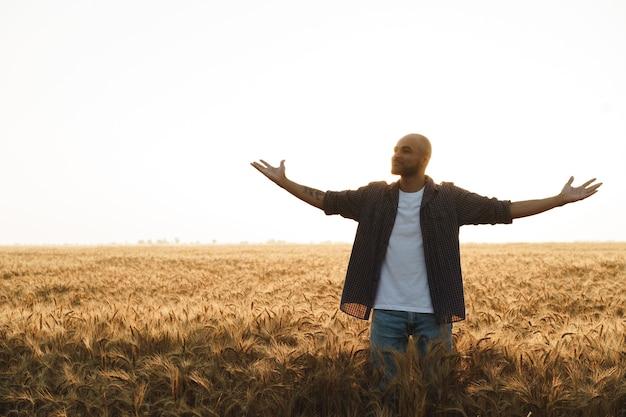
(276, 174)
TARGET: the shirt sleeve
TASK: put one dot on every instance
(348, 203)
(473, 208)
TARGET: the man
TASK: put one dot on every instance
(405, 262)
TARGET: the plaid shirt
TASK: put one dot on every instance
(445, 207)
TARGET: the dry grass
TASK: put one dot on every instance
(249, 330)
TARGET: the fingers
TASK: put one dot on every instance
(263, 165)
(589, 190)
(588, 182)
(276, 174)
(260, 166)
(585, 190)
(257, 166)
(594, 188)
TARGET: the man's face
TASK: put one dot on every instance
(406, 159)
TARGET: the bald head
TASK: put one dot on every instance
(421, 142)
(410, 157)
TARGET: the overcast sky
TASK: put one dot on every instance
(123, 121)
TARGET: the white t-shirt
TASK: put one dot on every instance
(403, 282)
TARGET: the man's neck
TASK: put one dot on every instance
(412, 184)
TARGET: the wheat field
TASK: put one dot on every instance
(254, 330)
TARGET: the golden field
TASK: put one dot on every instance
(254, 330)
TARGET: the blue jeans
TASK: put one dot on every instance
(390, 331)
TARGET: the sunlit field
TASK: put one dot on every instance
(254, 330)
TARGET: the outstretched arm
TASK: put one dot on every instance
(277, 174)
(567, 195)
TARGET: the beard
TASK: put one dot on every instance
(404, 170)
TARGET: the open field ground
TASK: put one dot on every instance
(254, 330)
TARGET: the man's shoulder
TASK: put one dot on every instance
(444, 189)
(377, 187)
(372, 189)
(446, 185)
(380, 184)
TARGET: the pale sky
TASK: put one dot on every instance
(123, 121)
